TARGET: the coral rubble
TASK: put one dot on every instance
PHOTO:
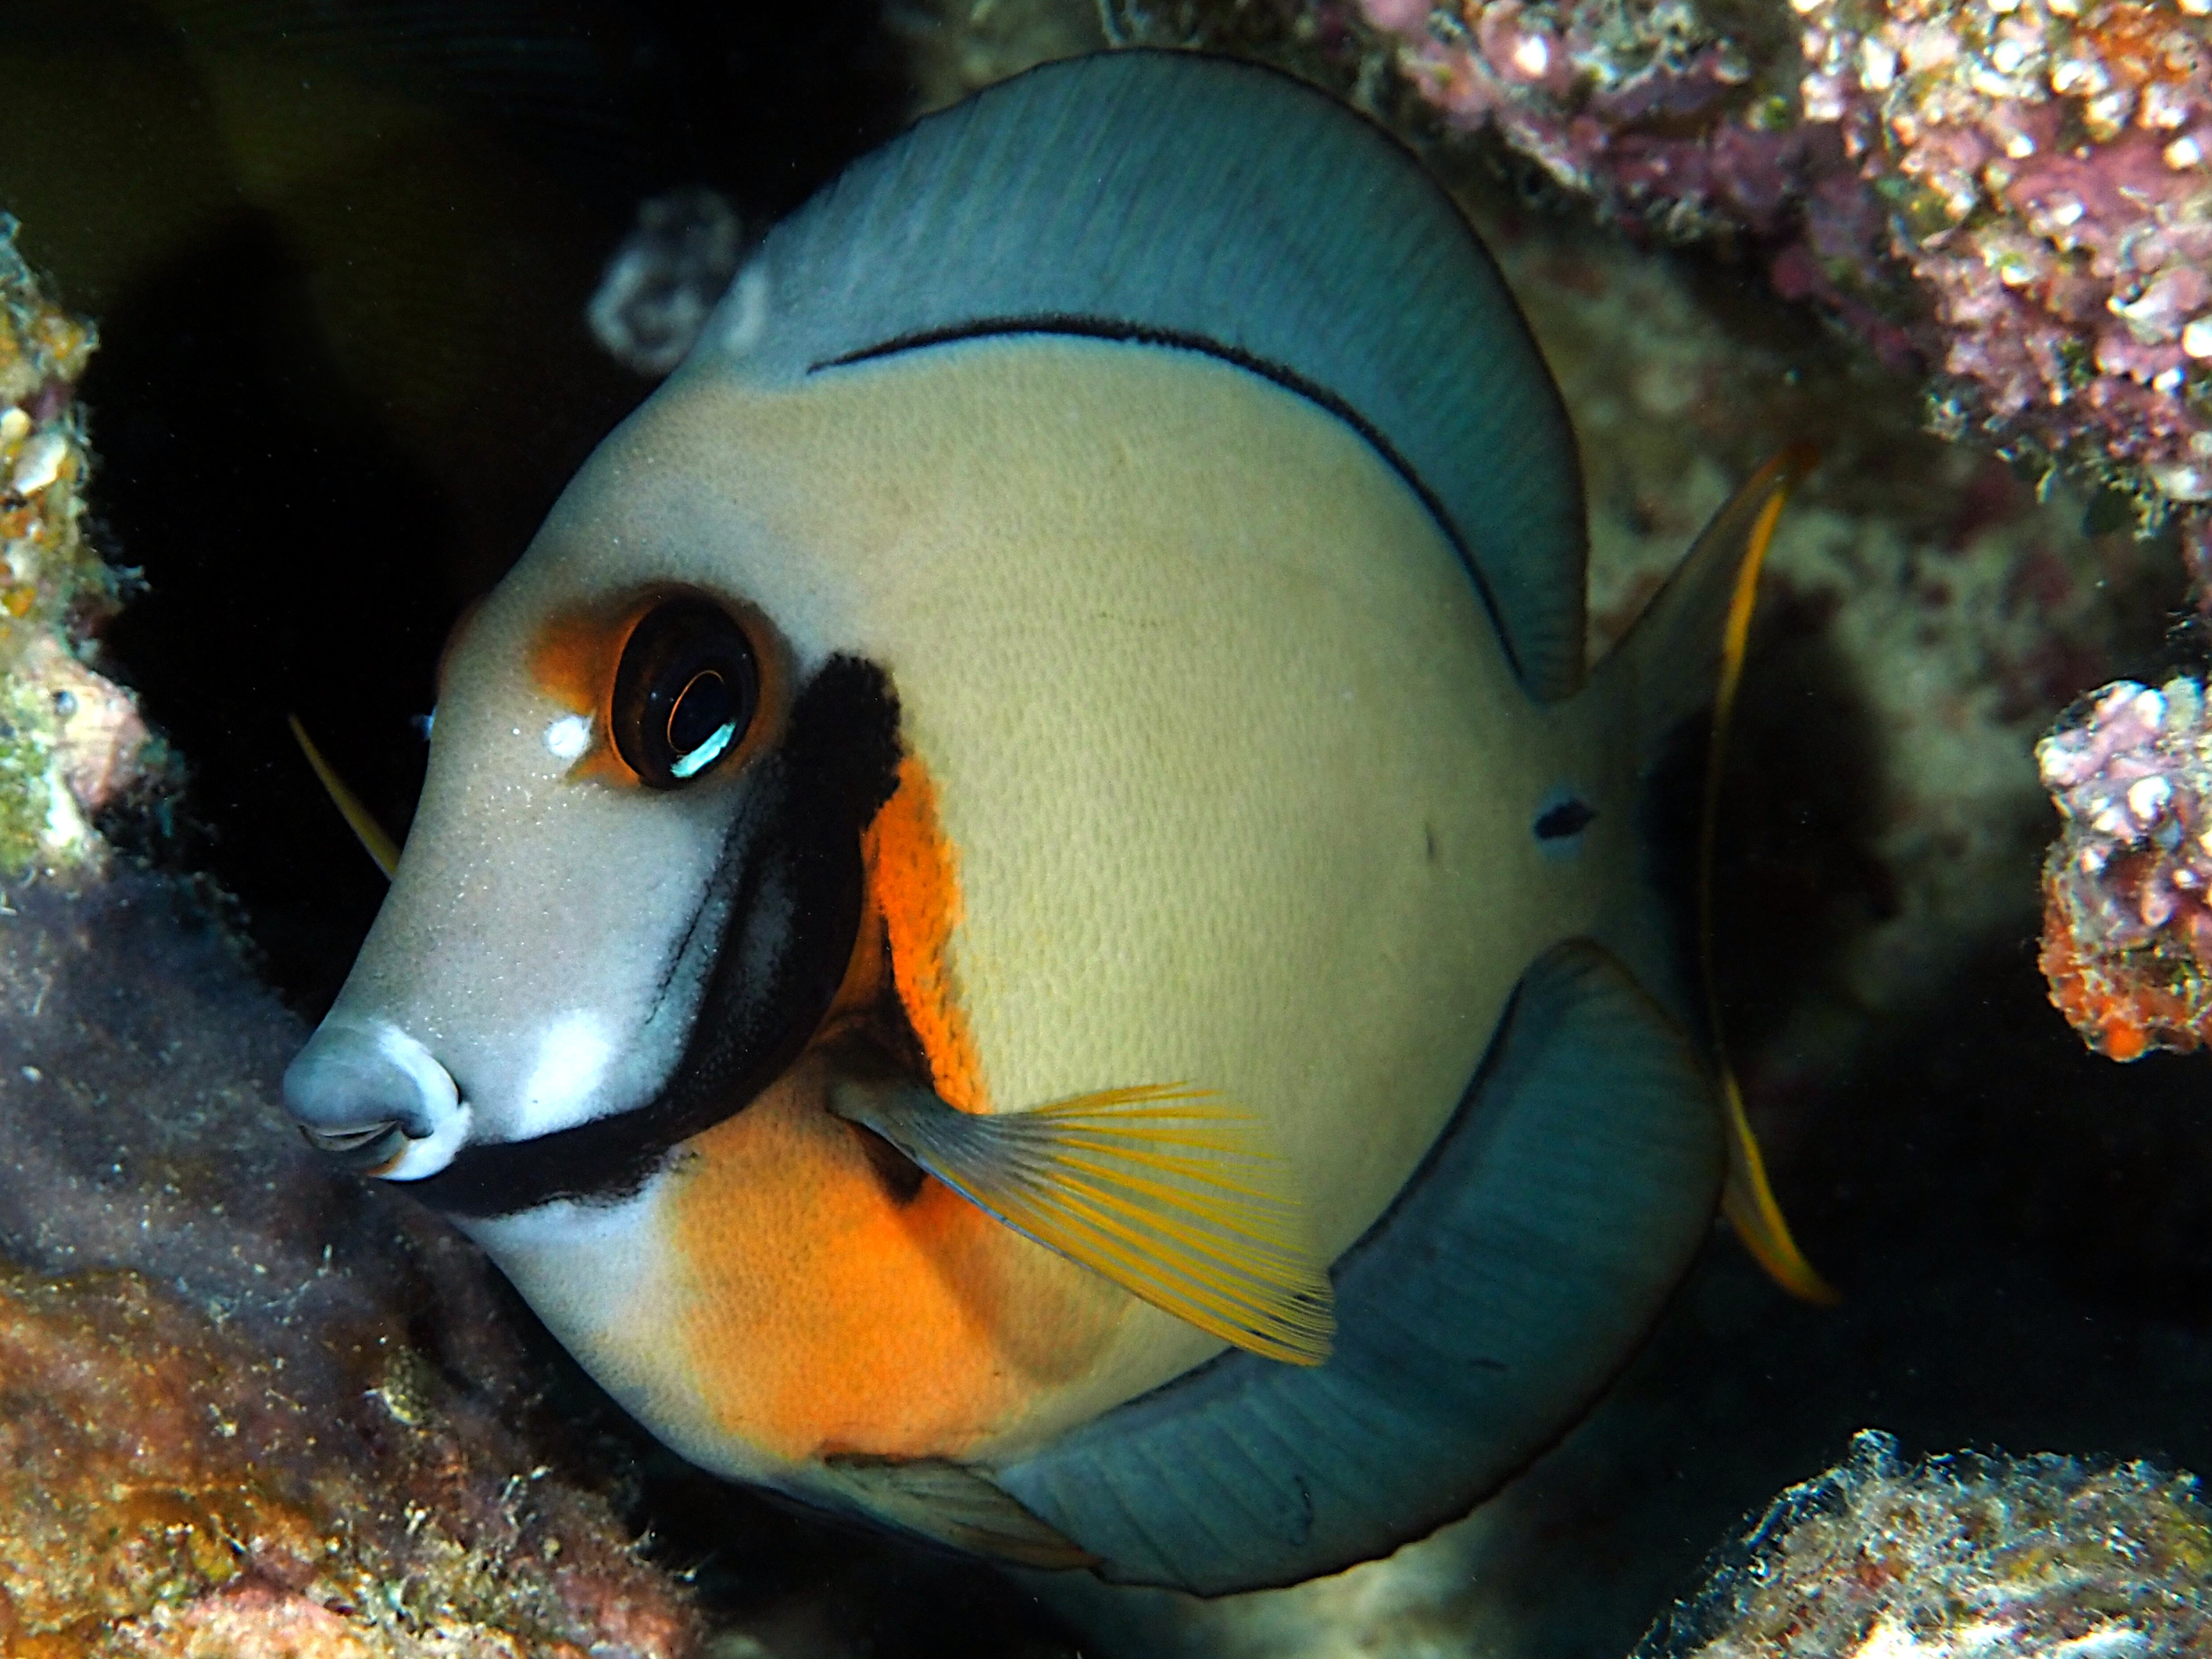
(2033, 1556)
(244, 1407)
(2127, 943)
(2016, 193)
(44, 564)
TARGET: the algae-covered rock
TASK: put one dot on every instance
(71, 743)
(2036, 1557)
(244, 1407)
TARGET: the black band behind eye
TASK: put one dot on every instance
(685, 693)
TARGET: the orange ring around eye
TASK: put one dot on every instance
(576, 653)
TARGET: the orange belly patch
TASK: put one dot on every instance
(822, 1315)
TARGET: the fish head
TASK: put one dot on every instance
(633, 884)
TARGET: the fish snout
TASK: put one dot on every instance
(376, 1100)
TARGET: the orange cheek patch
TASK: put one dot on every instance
(914, 880)
(824, 1316)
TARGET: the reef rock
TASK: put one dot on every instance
(245, 1406)
(2127, 934)
(2015, 195)
(2033, 1557)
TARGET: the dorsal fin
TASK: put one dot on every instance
(1183, 200)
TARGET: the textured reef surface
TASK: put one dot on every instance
(246, 1407)
(2015, 196)
(2042, 1557)
(71, 743)
(2127, 933)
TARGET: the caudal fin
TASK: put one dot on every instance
(1678, 658)
(1686, 654)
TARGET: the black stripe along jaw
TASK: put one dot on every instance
(798, 893)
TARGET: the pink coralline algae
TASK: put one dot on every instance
(2015, 194)
(2127, 943)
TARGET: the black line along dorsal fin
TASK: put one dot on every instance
(1180, 199)
(1476, 1322)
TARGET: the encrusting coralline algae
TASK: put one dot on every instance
(2015, 196)
(2127, 943)
(243, 1410)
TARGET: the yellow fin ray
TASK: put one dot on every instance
(374, 841)
(1175, 1200)
(1746, 1199)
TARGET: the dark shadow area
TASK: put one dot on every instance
(338, 258)
(288, 545)
(2018, 1228)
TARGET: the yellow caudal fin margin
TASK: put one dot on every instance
(1749, 1204)
(365, 829)
(1746, 1199)
(1167, 1193)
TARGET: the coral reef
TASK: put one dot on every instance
(243, 1407)
(2034, 1556)
(953, 48)
(2016, 194)
(2127, 943)
(72, 743)
(2045, 164)
(45, 566)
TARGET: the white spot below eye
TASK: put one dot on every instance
(706, 753)
(568, 737)
(573, 1056)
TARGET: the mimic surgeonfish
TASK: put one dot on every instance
(1026, 922)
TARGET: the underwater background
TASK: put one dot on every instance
(340, 258)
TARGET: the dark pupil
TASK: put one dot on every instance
(684, 692)
(702, 708)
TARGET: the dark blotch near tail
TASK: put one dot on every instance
(1567, 818)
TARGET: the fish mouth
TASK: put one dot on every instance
(372, 1099)
(364, 1150)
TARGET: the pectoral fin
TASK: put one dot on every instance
(1167, 1194)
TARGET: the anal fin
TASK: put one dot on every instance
(952, 1504)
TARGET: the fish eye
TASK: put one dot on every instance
(687, 688)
